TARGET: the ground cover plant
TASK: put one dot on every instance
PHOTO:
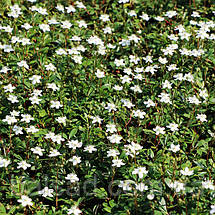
(107, 107)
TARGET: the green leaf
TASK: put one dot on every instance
(42, 113)
(2, 209)
(73, 132)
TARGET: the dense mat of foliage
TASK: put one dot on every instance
(107, 107)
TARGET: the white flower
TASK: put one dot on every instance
(123, 1)
(23, 63)
(70, 9)
(26, 26)
(36, 92)
(171, 13)
(117, 162)
(37, 150)
(76, 38)
(112, 153)
(212, 211)
(46, 192)
(56, 104)
(90, 148)
(159, 18)
(159, 130)
(189, 77)
(50, 135)
(172, 37)
(203, 93)
(173, 127)
(127, 103)
(174, 148)
(151, 69)
(134, 38)
(35, 100)
(66, 24)
(178, 186)
(128, 71)
(96, 119)
(54, 153)
(149, 103)
(72, 177)
(179, 77)
(75, 160)
(17, 129)
(23, 164)
(4, 162)
(184, 35)
(133, 149)
(148, 59)
(119, 62)
(53, 21)
(140, 171)
(50, 67)
(80, 5)
(100, 74)
(8, 48)
(139, 113)
(10, 119)
(52, 86)
(13, 99)
(186, 171)
(44, 27)
(136, 89)
(124, 42)
(134, 59)
(145, 17)
(208, 185)
(107, 30)
(42, 11)
(8, 29)
(4, 69)
(167, 85)
(14, 113)
(165, 98)
(125, 79)
(77, 58)
(202, 117)
(35, 79)
(74, 210)
(111, 107)
(150, 196)
(82, 23)
(9, 88)
(111, 128)
(25, 41)
(104, 17)
(26, 118)
(74, 144)
(61, 51)
(60, 7)
(32, 129)
(115, 138)
(125, 185)
(141, 187)
(95, 40)
(15, 11)
(25, 201)
(57, 138)
(194, 100)
(61, 119)
(117, 87)
(132, 13)
(195, 14)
